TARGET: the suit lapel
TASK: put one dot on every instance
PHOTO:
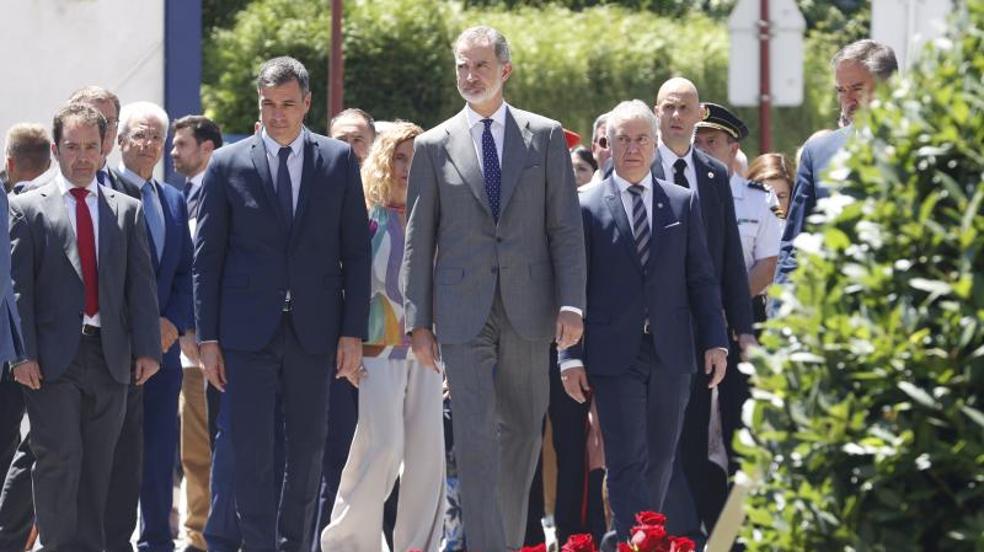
(461, 152)
(657, 166)
(706, 181)
(515, 147)
(312, 165)
(106, 203)
(662, 217)
(617, 209)
(62, 224)
(259, 155)
(169, 218)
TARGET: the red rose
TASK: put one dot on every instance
(623, 547)
(538, 548)
(682, 544)
(650, 518)
(649, 538)
(579, 543)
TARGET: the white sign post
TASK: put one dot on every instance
(786, 26)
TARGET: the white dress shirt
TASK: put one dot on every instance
(477, 127)
(92, 202)
(295, 162)
(668, 158)
(628, 198)
(196, 185)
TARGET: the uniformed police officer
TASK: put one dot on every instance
(719, 135)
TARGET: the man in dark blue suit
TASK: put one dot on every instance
(281, 278)
(144, 459)
(652, 301)
(858, 69)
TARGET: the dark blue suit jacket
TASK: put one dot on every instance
(174, 289)
(247, 257)
(816, 154)
(677, 289)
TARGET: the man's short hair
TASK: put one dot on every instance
(29, 146)
(483, 33)
(877, 58)
(281, 70)
(92, 93)
(202, 128)
(600, 120)
(627, 111)
(354, 112)
(81, 112)
(139, 110)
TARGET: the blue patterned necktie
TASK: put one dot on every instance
(154, 215)
(640, 224)
(493, 172)
(285, 195)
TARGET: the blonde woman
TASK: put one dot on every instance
(400, 431)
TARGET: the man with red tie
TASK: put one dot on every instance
(85, 289)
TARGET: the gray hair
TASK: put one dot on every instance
(631, 110)
(483, 33)
(877, 58)
(602, 119)
(281, 70)
(140, 110)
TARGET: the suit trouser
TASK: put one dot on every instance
(399, 435)
(343, 415)
(641, 414)
(124, 482)
(196, 453)
(499, 393)
(16, 500)
(254, 379)
(222, 533)
(160, 449)
(11, 414)
(75, 421)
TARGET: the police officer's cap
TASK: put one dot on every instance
(719, 117)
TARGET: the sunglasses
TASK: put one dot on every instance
(602, 142)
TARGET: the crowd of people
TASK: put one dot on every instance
(290, 331)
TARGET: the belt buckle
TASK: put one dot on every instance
(89, 330)
(646, 328)
(288, 303)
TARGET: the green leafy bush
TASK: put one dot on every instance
(867, 430)
(569, 65)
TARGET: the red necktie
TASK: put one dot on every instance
(87, 251)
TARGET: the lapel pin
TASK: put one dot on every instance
(659, 205)
(710, 174)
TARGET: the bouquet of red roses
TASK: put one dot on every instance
(649, 535)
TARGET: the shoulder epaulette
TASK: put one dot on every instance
(756, 185)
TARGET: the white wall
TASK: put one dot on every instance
(50, 48)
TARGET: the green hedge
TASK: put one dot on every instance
(569, 65)
(867, 423)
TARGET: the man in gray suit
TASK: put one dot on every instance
(85, 290)
(493, 271)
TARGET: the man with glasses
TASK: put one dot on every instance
(599, 147)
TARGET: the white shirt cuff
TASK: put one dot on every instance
(575, 310)
(568, 364)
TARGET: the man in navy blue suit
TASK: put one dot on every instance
(281, 276)
(145, 452)
(652, 301)
(858, 68)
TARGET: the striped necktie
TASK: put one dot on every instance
(640, 224)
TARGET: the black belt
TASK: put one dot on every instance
(90, 330)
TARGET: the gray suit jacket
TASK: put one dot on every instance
(456, 254)
(11, 344)
(47, 276)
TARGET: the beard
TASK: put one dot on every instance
(483, 96)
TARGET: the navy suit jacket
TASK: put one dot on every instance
(677, 289)
(815, 157)
(723, 240)
(247, 256)
(174, 289)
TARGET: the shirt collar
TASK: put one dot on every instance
(64, 186)
(273, 148)
(196, 180)
(133, 178)
(623, 184)
(474, 118)
(669, 157)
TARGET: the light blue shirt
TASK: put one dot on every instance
(295, 162)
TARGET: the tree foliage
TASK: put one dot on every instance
(867, 424)
(569, 65)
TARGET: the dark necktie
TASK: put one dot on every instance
(285, 194)
(86, 239)
(640, 224)
(101, 177)
(191, 201)
(679, 174)
(490, 165)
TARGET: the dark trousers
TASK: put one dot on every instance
(641, 414)
(75, 421)
(11, 414)
(124, 483)
(254, 379)
(160, 430)
(16, 500)
(343, 415)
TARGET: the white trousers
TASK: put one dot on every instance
(400, 426)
